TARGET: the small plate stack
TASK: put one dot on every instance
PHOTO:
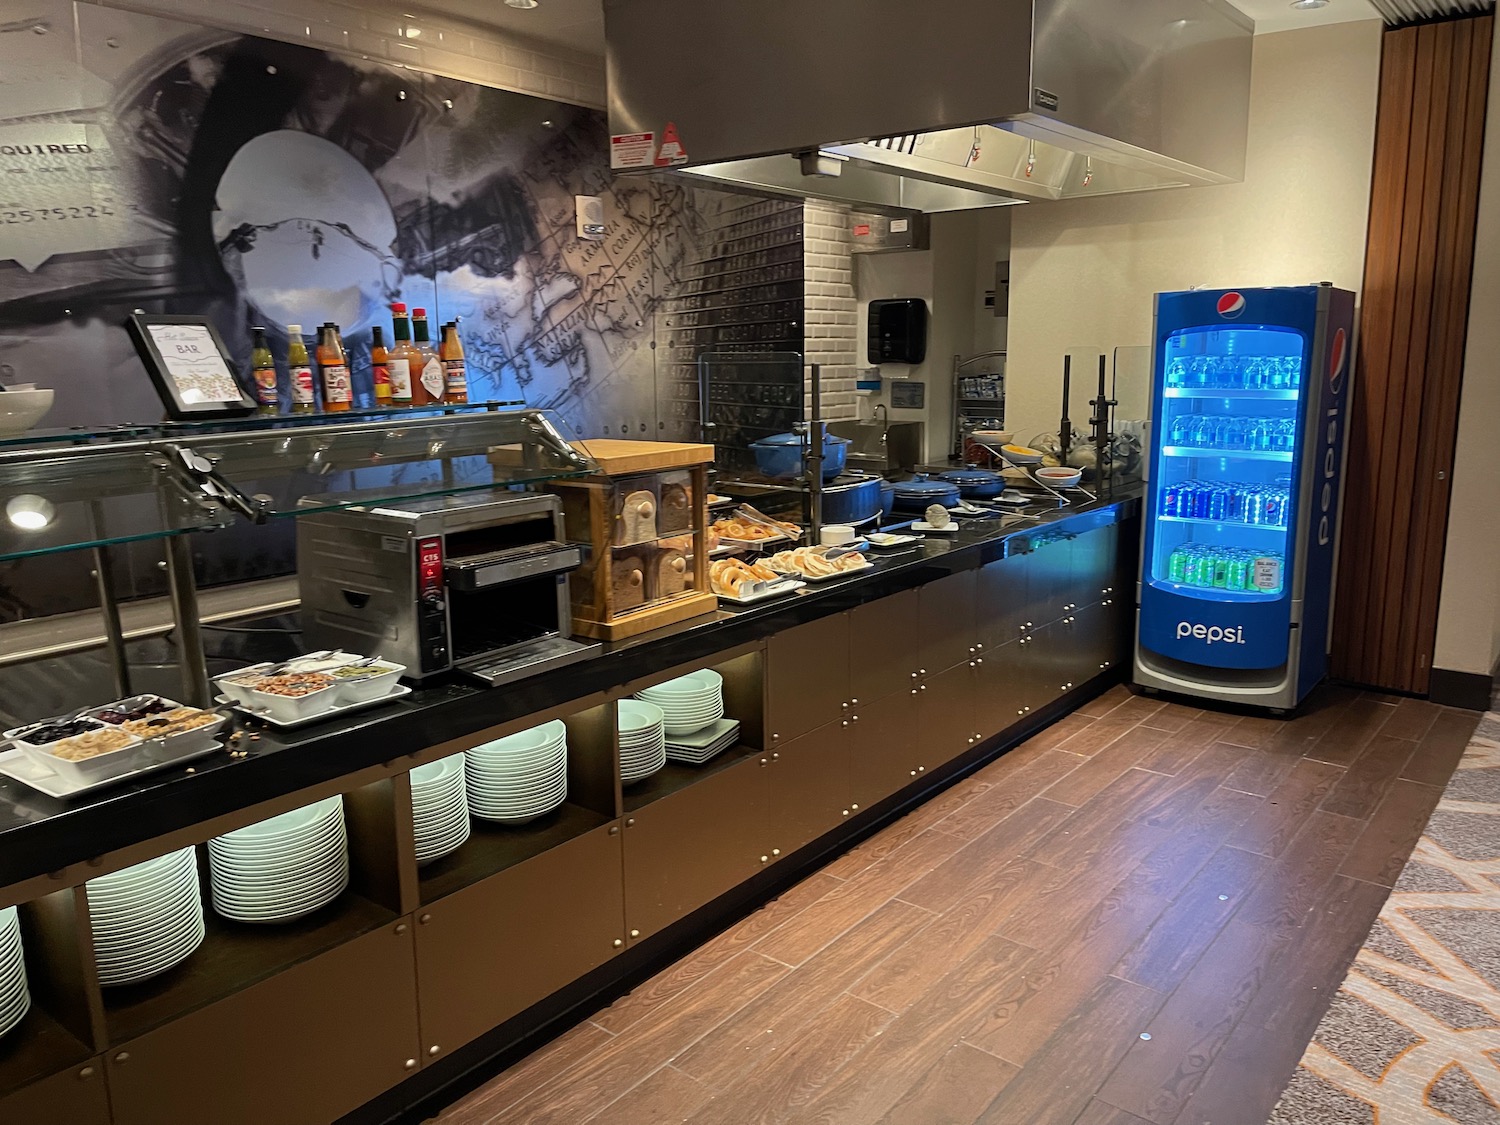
(520, 777)
(15, 1000)
(688, 703)
(643, 741)
(146, 918)
(439, 807)
(711, 741)
(282, 868)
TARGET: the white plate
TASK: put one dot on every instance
(637, 715)
(884, 541)
(104, 900)
(435, 774)
(274, 828)
(764, 595)
(545, 736)
(923, 525)
(693, 683)
(337, 709)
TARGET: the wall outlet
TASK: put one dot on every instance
(589, 210)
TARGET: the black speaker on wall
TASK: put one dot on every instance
(898, 330)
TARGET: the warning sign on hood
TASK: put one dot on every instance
(671, 151)
(632, 150)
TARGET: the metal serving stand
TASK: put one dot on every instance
(76, 490)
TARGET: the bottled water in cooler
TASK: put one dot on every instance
(1236, 372)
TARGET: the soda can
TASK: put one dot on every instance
(1251, 506)
(1218, 503)
(1278, 503)
(1191, 566)
(1169, 497)
(1239, 572)
(1177, 565)
(1221, 570)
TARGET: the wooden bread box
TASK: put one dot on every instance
(642, 521)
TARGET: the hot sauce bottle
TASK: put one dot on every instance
(404, 360)
(304, 390)
(380, 370)
(428, 386)
(455, 376)
(338, 393)
(263, 373)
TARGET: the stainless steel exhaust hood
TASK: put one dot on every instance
(931, 106)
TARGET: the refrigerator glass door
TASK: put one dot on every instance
(1224, 477)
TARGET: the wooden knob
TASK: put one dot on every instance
(635, 578)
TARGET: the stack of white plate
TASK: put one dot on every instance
(688, 703)
(281, 868)
(520, 777)
(439, 807)
(708, 743)
(15, 1000)
(643, 741)
(145, 918)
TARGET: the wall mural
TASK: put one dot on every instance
(150, 164)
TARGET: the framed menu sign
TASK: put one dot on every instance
(189, 365)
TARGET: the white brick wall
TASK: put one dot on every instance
(828, 291)
(405, 36)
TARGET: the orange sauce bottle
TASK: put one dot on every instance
(338, 391)
(455, 376)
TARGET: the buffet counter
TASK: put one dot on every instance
(854, 699)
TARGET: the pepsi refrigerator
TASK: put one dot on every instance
(1250, 398)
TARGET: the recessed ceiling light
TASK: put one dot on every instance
(1299, 5)
(526, 4)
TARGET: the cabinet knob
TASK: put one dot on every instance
(122, 1056)
(765, 859)
(921, 769)
(410, 1064)
(914, 691)
(401, 927)
(630, 822)
(973, 665)
(86, 1072)
(845, 723)
(971, 740)
(775, 851)
(614, 830)
(433, 1050)
(1028, 624)
(914, 675)
(854, 807)
(844, 706)
(922, 670)
(776, 757)
(635, 933)
(619, 942)
(854, 718)
(765, 761)
(922, 687)
(979, 660)
(846, 812)
(1020, 710)
(914, 773)
(424, 918)
(776, 738)
(979, 648)
(854, 702)
(972, 650)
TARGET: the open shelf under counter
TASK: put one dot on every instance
(492, 847)
(35, 1048)
(677, 775)
(232, 957)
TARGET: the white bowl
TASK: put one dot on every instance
(371, 687)
(290, 708)
(20, 410)
(836, 535)
(1059, 477)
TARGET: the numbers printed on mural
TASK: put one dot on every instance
(53, 214)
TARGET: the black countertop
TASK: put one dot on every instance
(39, 834)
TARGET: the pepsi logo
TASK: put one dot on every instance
(1338, 359)
(1231, 305)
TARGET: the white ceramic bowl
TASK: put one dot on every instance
(836, 535)
(1060, 477)
(371, 687)
(290, 708)
(20, 410)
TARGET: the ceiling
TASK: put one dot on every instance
(579, 24)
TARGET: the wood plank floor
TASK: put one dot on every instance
(1137, 916)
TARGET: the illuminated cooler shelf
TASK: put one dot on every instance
(1228, 393)
(1284, 456)
(1223, 523)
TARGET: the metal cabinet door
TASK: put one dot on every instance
(491, 950)
(947, 714)
(947, 631)
(882, 659)
(1003, 599)
(807, 677)
(303, 1047)
(811, 786)
(1051, 579)
(885, 752)
(690, 847)
(1001, 687)
(75, 1096)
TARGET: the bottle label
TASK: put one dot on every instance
(336, 383)
(399, 373)
(432, 378)
(457, 378)
(302, 386)
(382, 377)
(265, 385)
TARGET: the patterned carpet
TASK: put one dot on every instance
(1413, 1035)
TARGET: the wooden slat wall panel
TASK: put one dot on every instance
(1434, 83)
